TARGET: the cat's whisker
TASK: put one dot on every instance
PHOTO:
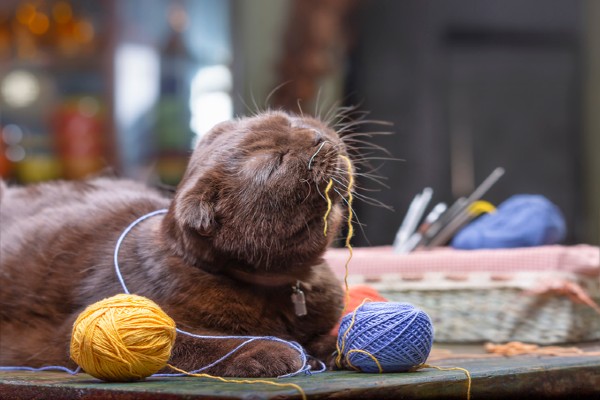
(319, 191)
(317, 152)
(273, 91)
(249, 109)
(317, 111)
(344, 113)
(369, 158)
(374, 178)
(372, 172)
(334, 112)
(368, 134)
(256, 106)
(309, 189)
(358, 169)
(298, 103)
(366, 145)
(365, 199)
(363, 121)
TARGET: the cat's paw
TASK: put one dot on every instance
(263, 359)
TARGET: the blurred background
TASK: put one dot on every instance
(128, 86)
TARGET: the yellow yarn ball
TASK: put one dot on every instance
(122, 338)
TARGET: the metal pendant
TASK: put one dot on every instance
(299, 301)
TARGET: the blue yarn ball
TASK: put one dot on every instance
(520, 221)
(398, 335)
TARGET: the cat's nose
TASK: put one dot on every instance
(318, 137)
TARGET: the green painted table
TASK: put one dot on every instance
(530, 377)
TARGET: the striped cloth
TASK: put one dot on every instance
(375, 261)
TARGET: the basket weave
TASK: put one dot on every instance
(503, 315)
(495, 296)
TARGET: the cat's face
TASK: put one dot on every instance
(255, 189)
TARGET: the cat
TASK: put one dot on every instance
(243, 232)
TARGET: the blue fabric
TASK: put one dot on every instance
(521, 221)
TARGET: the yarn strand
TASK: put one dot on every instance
(380, 337)
(350, 229)
(340, 348)
(305, 368)
(329, 205)
(247, 339)
(466, 372)
(120, 241)
(243, 381)
(40, 369)
(348, 245)
(375, 360)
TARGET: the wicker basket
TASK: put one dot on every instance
(535, 295)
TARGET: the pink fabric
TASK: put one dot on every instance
(582, 259)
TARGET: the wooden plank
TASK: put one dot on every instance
(493, 378)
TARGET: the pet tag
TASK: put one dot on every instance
(299, 301)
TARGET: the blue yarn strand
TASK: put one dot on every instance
(123, 285)
(305, 368)
(40, 369)
(120, 241)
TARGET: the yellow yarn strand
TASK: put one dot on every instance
(350, 228)
(467, 373)
(340, 349)
(329, 204)
(122, 338)
(128, 337)
(349, 247)
(243, 381)
(363, 352)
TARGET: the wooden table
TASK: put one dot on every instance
(516, 377)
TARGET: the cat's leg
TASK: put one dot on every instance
(258, 358)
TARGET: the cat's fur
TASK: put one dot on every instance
(245, 224)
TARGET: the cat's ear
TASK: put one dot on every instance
(215, 132)
(194, 209)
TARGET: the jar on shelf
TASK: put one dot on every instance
(79, 132)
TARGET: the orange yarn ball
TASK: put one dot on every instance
(122, 338)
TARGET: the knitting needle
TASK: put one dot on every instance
(411, 243)
(442, 221)
(419, 211)
(485, 185)
(401, 234)
(413, 216)
(460, 214)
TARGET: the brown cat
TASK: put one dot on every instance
(245, 225)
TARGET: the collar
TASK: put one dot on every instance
(268, 280)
